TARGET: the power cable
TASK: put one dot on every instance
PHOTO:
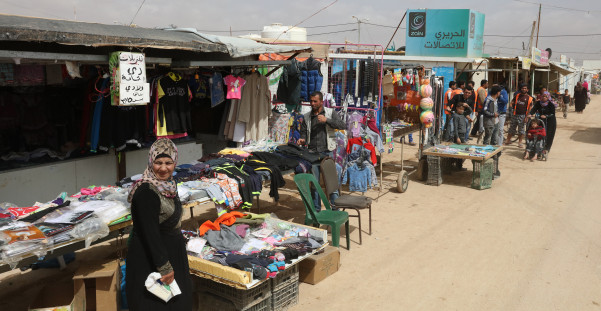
(325, 7)
(327, 33)
(547, 36)
(132, 20)
(559, 7)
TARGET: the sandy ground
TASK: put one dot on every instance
(531, 242)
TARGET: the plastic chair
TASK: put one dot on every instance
(328, 217)
(344, 201)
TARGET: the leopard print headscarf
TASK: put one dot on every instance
(168, 188)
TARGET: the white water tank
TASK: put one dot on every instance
(276, 30)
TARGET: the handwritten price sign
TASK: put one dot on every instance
(129, 79)
(134, 94)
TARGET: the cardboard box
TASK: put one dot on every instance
(318, 267)
(58, 297)
(99, 283)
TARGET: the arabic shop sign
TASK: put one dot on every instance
(451, 33)
(540, 58)
(128, 79)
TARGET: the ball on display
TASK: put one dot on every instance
(426, 117)
(426, 103)
(426, 90)
(428, 125)
(425, 81)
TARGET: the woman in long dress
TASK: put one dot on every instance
(580, 97)
(156, 243)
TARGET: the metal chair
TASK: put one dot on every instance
(344, 201)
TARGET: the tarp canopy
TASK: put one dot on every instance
(33, 29)
(239, 47)
(559, 68)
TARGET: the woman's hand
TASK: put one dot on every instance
(543, 116)
(168, 278)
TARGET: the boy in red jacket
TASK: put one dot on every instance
(535, 140)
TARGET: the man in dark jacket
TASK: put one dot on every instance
(317, 131)
(491, 116)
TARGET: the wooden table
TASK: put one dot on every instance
(61, 249)
(485, 168)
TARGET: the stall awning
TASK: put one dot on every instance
(239, 47)
(32, 29)
(562, 70)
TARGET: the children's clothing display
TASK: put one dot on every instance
(234, 86)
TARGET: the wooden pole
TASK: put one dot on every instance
(538, 24)
(397, 28)
(529, 52)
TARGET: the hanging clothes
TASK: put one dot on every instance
(255, 107)
(234, 86)
(289, 87)
(216, 89)
(174, 105)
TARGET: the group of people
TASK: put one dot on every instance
(469, 112)
(485, 110)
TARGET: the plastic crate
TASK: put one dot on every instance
(211, 302)
(285, 276)
(434, 171)
(285, 294)
(483, 172)
(241, 298)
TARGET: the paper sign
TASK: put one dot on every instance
(132, 67)
(134, 94)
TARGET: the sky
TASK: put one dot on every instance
(505, 22)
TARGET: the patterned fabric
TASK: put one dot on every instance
(167, 188)
(279, 124)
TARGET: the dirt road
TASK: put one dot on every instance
(532, 242)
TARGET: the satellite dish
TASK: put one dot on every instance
(550, 52)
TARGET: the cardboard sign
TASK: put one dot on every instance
(134, 94)
(128, 79)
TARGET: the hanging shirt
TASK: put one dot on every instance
(234, 86)
(216, 89)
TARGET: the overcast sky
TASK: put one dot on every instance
(503, 17)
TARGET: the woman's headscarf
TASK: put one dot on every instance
(543, 102)
(168, 188)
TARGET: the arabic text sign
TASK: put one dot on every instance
(132, 67)
(453, 33)
(134, 94)
(540, 58)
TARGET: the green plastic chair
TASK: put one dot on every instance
(327, 216)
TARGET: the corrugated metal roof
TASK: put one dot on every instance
(21, 28)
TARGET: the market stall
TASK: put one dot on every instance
(485, 160)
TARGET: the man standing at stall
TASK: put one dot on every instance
(317, 132)
(520, 105)
(481, 95)
(502, 110)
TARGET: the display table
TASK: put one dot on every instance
(61, 249)
(485, 160)
(243, 279)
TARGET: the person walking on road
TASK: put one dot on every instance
(546, 110)
(520, 106)
(580, 97)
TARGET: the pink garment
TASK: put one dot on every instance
(271, 240)
(234, 86)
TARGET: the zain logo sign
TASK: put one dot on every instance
(417, 24)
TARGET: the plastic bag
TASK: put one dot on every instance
(91, 230)
(6, 205)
